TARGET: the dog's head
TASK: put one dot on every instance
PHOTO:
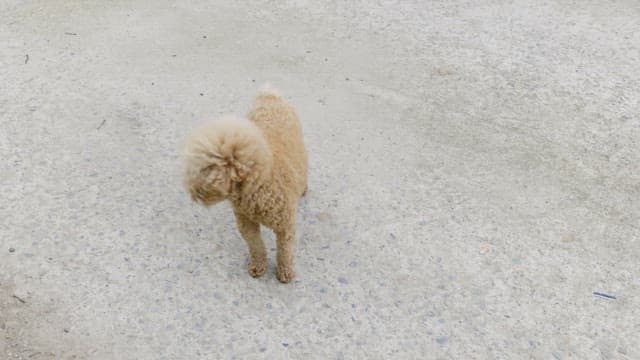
(221, 155)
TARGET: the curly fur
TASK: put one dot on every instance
(260, 165)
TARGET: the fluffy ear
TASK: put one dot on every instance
(207, 180)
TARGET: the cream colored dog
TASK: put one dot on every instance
(260, 165)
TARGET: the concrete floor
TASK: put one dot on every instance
(474, 180)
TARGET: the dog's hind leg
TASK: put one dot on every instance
(250, 231)
(285, 242)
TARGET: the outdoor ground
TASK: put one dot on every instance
(473, 180)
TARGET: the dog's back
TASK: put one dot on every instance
(280, 125)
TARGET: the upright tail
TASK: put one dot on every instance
(268, 90)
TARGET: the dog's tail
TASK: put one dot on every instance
(267, 90)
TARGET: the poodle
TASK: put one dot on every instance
(260, 165)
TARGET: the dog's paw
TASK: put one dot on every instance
(284, 274)
(257, 268)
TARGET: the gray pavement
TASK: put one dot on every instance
(473, 180)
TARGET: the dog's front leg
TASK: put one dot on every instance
(250, 231)
(285, 242)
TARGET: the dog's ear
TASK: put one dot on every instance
(238, 168)
(218, 178)
(245, 153)
(210, 183)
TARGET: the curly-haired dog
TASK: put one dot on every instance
(260, 165)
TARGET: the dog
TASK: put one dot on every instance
(258, 163)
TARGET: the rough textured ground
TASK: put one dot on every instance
(474, 180)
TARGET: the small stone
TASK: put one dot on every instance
(442, 72)
(323, 216)
(65, 330)
(342, 280)
(12, 250)
(442, 340)
(568, 237)
(484, 248)
(201, 94)
(285, 344)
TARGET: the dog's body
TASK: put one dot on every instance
(260, 165)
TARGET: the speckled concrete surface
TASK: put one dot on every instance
(474, 180)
